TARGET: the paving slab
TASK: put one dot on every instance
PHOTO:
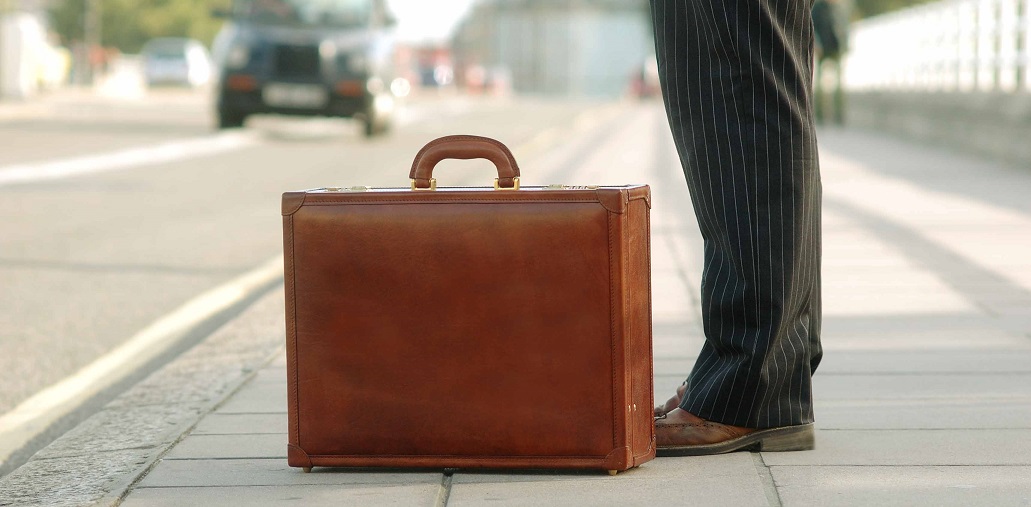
(946, 362)
(923, 414)
(912, 447)
(903, 486)
(931, 297)
(272, 472)
(731, 479)
(676, 346)
(674, 365)
(931, 339)
(230, 447)
(666, 385)
(370, 495)
(274, 373)
(1013, 387)
(258, 398)
(672, 298)
(915, 401)
(229, 424)
(919, 332)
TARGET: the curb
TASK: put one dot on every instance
(98, 461)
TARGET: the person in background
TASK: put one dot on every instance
(830, 21)
(736, 78)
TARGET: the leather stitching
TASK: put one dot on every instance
(299, 204)
(293, 332)
(617, 407)
(648, 253)
(628, 324)
(602, 201)
(516, 200)
(460, 456)
(682, 425)
(732, 434)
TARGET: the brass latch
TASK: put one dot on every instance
(515, 184)
(433, 185)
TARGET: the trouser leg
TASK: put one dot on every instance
(737, 84)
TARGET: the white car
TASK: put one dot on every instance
(176, 61)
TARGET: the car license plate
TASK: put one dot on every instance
(295, 95)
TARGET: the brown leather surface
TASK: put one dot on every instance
(680, 428)
(464, 147)
(469, 328)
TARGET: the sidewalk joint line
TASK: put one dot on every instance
(766, 477)
(444, 492)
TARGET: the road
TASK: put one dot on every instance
(145, 207)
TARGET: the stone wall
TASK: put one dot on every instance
(996, 125)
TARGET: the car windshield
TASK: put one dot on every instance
(336, 13)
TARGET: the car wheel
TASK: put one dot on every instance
(230, 119)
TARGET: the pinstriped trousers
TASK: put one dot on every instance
(736, 78)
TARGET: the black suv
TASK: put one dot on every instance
(306, 58)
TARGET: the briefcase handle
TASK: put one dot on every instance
(464, 148)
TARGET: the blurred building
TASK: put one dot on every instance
(563, 47)
(28, 60)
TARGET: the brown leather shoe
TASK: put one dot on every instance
(671, 403)
(681, 433)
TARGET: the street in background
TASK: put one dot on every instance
(176, 61)
(307, 58)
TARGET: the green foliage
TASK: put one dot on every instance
(128, 24)
(868, 8)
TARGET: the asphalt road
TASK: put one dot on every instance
(88, 260)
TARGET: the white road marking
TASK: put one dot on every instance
(35, 414)
(126, 159)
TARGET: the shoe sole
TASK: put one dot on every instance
(786, 438)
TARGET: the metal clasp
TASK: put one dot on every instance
(515, 184)
(433, 186)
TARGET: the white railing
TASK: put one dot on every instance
(953, 45)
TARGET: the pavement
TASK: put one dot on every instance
(924, 396)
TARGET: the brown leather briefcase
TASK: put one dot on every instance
(500, 327)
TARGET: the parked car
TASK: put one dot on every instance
(307, 58)
(176, 61)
